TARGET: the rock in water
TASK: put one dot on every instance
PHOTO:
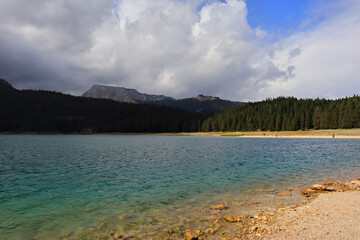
(230, 218)
(209, 231)
(284, 194)
(308, 192)
(190, 235)
(218, 206)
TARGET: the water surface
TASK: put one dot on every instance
(54, 186)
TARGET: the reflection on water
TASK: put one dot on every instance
(58, 185)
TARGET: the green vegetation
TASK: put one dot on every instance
(44, 111)
(288, 114)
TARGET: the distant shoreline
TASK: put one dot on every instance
(325, 133)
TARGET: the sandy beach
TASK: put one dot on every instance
(330, 216)
(326, 133)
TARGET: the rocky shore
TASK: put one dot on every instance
(329, 210)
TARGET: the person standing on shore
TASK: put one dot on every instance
(333, 135)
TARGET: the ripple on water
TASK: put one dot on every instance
(59, 185)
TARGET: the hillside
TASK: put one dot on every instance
(122, 94)
(199, 104)
(45, 111)
(288, 114)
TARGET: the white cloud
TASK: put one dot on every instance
(170, 47)
(325, 59)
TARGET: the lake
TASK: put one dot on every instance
(74, 186)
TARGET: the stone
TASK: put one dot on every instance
(117, 236)
(209, 231)
(330, 189)
(190, 235)
(243, 216)
(318, 187)
(216, 220)
(355, 182)
(253, 228)
(218, 206)
(230, 218)
(308, 192)
(339, 189)
(284, 194)
(198, 232)
(330, 183)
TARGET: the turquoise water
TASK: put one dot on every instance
(54, 186)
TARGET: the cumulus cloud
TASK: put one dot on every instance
(324, 59)
(178, 48)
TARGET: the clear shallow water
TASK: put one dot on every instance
(60, 185)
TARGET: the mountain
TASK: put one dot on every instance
(4, 85)
(121, 94)
(199, 104)
(46, 111)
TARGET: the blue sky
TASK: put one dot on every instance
(277, 15)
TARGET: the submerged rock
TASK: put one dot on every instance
(209, 231)
(307, 192)
(284, 194)
(190, 235)
(330, 183)
(218, 206)
(117, 236)
(231, 218)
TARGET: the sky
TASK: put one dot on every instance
(234, 49)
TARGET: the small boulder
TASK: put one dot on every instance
(318, 187)
(330, 189)
(190, 235)
(330, 183)
(284, 194)
(356, 183)
(198, 232)
(117, 236)
(230, 218)
(218, 207)
(243, 216)
(307, 192)
(209, 231)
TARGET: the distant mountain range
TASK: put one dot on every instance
(121, 94)
(47, 111)
(200, 104)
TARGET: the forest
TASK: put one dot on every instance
(45, 111)
(52, 112)
(288, 113)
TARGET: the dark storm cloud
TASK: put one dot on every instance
(168, 47)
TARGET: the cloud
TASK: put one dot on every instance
(178, 48)
(324, 59)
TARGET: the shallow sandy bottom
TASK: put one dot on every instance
(330, 216)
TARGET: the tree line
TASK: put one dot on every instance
(46, 111)
(288, 113)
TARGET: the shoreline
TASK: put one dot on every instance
(353, 133)
(327, 133)
(328, 210)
